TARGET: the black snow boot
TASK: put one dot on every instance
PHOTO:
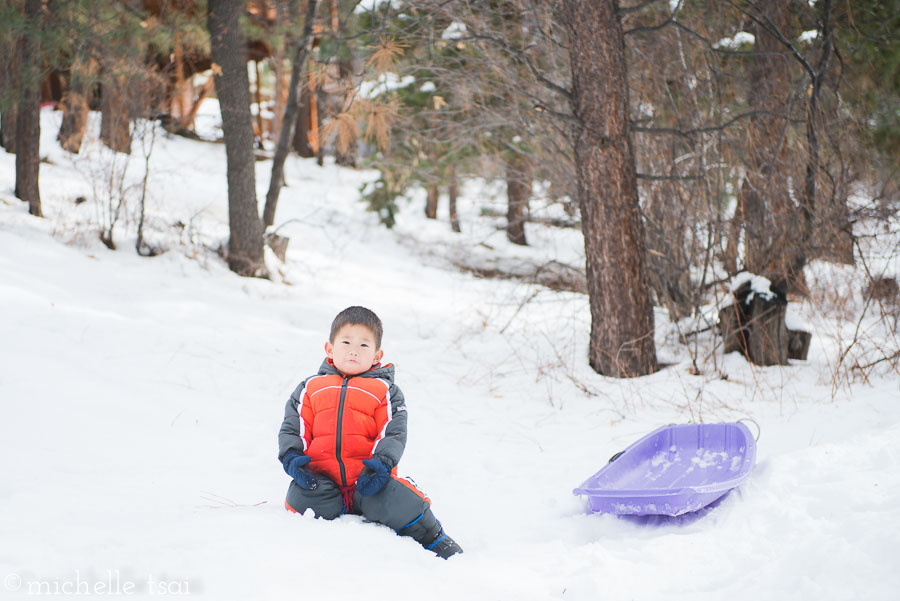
(443, 546)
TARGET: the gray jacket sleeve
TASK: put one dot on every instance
(390, 448)
(289, 437)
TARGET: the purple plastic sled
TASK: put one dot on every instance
(673, 470)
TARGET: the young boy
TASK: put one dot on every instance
(343, 433)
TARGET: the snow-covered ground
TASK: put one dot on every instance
(141, 398)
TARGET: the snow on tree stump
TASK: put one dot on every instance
(753, 322)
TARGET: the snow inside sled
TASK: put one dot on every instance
(673, 470)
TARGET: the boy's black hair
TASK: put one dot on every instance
(357, 316)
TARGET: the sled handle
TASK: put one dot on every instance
(754, 422)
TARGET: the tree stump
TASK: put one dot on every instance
(883, 289)
(798, 344)
(279, 245)
(753, 323)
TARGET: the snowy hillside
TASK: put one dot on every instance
(141, 399)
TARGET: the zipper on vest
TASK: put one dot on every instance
(340, 425)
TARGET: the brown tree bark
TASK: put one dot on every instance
(229, 53)
(285, 136)
(621, 338)
(518, 192)
(28, 121)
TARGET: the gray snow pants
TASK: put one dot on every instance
(399, 505)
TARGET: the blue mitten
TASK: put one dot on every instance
(293, 465)
(373, 479)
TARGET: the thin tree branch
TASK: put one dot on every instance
(665, 178)
(699, 130)
(627, 10)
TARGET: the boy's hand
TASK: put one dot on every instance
(372, 480)
(293, 465)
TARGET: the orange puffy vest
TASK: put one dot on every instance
(342, 419)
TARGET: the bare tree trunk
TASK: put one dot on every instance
(304, 123)
(312, 136)
(28, 122)
(115, 114)
(281, 76)
(431, 202)
(621, 339)
(9, 80)
(183, 93)
(290, 115)
(75, 111)
(260, 125)
(347, 158)
(770, 218)
(668, 266)
(452, 192)
(229, 52)
(825, 219)
(518, 192)
(195, 106)
(8, 128)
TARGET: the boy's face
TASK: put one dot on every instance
(353, 350)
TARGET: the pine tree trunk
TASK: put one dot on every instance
(452, 192)
(282, 77)
(8, 128)
(9, 80)
(229, 52)
(348, 158)
(195, 105)
(181, 95)
(257, 88)
(668, 270)
(28, 121)
(115, 115)
(621, 338)
(289, 124)
(301, 135)
(518, 192)
(827, 227)
(75, 113)
(770, 217)
(431, 202)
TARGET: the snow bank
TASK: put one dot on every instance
(142, 398)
